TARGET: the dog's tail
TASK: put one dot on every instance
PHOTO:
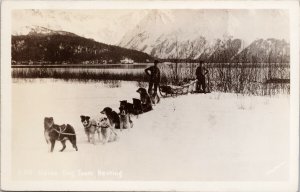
(72, 132)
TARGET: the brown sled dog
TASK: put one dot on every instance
(60, 133)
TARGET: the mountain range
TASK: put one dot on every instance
(43, 44)
(164, 36)
(211, 35)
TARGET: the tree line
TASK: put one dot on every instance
(71, 49)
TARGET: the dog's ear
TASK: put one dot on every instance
(49, 120)
(82, 117)
(87, 118)
(103, 111)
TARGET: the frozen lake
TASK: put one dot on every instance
(211, 137)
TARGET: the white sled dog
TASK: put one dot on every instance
(107, 133)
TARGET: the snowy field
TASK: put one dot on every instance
(211, 137)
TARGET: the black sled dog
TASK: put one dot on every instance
(60, 133)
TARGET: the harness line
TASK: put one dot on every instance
(60, 132)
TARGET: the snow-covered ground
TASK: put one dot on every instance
(211, 137)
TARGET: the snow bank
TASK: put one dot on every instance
(200, 137)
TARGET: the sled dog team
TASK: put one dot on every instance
(104, 127)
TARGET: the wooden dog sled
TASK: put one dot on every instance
(175, 90)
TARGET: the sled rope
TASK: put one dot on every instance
(60, 132)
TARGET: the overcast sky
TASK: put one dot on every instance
(109, 26)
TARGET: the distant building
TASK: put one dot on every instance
(127, 61)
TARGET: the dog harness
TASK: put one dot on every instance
(61, 132)
(89, 125)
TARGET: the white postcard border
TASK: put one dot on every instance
(6, 137)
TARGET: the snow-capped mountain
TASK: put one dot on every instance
(195, 34)
(265, 50)
(160, 35)
(107, 26)
(147, 31)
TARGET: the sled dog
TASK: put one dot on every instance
(112, 116)
(54, 132)
(90, 128)
(107, 132)
(145, 99)
(125, 121)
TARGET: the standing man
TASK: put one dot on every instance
(154, 77)
(200, 73)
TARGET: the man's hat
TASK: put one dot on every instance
(156, 61)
